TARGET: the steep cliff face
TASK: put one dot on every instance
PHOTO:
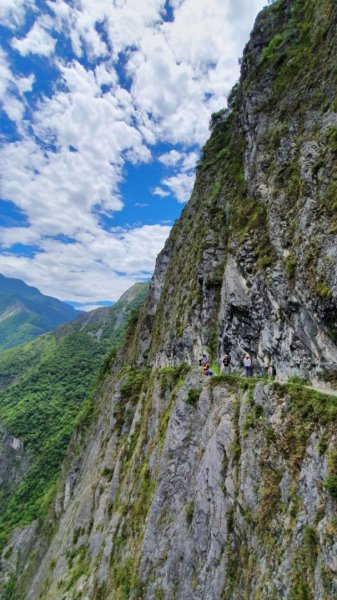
(14, 460)
(225, 488)
(199, 490)
(251, 264)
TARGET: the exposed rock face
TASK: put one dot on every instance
(226, 488)
(16, 555)
(14, 460)
(14, 463)
(209, 491)
(251, 264)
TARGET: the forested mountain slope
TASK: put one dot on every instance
(185, 488)
(45, 388)
(26, 313)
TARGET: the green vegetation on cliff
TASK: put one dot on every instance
(180, 455)
(266, 176)
(45, 384)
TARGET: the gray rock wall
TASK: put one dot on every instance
(211, 490)
(14, 459)
(265, 282)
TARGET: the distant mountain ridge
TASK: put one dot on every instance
(26, 313)
(103, 322)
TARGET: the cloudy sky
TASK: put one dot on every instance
(104, 107)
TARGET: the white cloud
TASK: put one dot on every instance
(180, 70)
(69, 172)
(158, 191)
(67, 186)
(38, 40)
(182, 160)
(12, 12)
(190, 160)
(25, 84)
(88, 270)
(12, 90)
(181, 185)
(9, 236)
(88, 307)
(124, 23)
(106, 75)
(172, 158)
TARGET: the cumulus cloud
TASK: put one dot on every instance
(180, 70)
(77, 166)
(12, 90)
(190, 160)
(180, 185)
(134, 81)
(92, 268)
(88, 307)
(25, 84)
(170, 159)
(158, 191)
(12, 12)
(38, 40)
(9, 236)
(124, 23)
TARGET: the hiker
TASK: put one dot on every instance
(272, 371)
(203, 361)
(226, 361)
(206, 370)
(247, 362)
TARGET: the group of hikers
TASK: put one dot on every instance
(250, 368)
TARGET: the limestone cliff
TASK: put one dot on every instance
(251, 264)
(186, 489)
(189, 490)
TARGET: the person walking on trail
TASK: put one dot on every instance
(272, 371)
(206, 370)
(226, 361)
(203, 361)
(247, 362)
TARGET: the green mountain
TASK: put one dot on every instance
(44, 386)
(26, 313)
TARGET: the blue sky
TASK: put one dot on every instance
(104, 107)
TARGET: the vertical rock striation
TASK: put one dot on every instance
(199, 490)
(251, 264)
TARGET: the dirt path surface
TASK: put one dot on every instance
(321, 390)
(314, 387)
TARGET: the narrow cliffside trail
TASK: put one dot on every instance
(173, 489)
(321, 390)
(318, 388)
